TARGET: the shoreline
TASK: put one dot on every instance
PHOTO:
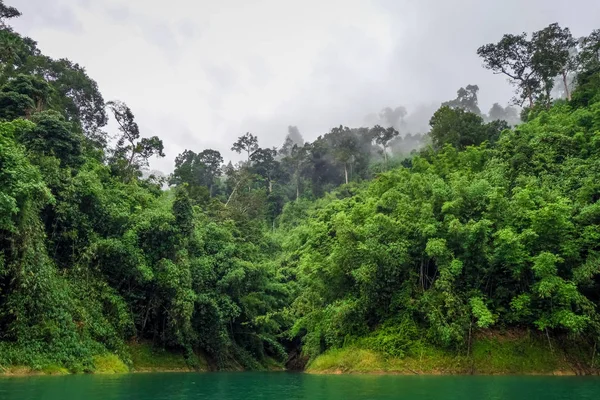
(25, 372)
(416, 373)
(492, 354)
(33, 373)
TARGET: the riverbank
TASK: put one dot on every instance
(143, 358)
(491, 354)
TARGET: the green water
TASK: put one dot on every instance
(290, 386)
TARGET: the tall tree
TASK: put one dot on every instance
(266, 166)
(77, 94)
(383, 137)
(513, 57)
(589, 55)
(132, 153)
(466, 98)
(508, 114)
(553, 55)
(212, 162)
(295, 162)
(7, 12)
(248, 143)
(187, 170)
(344, 145)
(457, 127)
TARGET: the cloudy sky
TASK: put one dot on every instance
(199, 73)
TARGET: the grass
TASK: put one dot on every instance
(527, 354)
(21, 370)
(17, 370)
(356, 360)
(55, 370)
(350, 359)
(147, 358)
(491, 353)
(109, 364)
(143, 358)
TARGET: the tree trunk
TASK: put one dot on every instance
(564, 75)
(232, 193)
(384, 158)
(530, 96)
(297, 189)
(270, 186)
(130, 161)
(346, 172)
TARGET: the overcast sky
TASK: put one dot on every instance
(199, 73)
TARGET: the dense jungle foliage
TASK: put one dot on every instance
(367, 234)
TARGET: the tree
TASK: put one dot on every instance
(295, 162)
(18, 55)
(191, 173)
(7, 12)
(508, 114)
(184, 171)
(265, 165)
(513, 57)
(287, 146)
(383, 137)
(132, 153)
(553, 55)
(344, 146)
(22, 96)
(456, 127)
(212, 161)
(15, 105)
(589, 54)
(247, 143)
(53, 136)
(466, 99)
(77, 95)
(34, 87)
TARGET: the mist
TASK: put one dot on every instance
(204, 73)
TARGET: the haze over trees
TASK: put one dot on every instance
(373, 235)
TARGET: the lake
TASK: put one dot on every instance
(295, 386)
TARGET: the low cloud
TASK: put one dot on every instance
(199, 74)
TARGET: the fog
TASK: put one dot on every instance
(201, 73)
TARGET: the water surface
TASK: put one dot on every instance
(295, 386)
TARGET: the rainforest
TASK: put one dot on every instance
(472, 247)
